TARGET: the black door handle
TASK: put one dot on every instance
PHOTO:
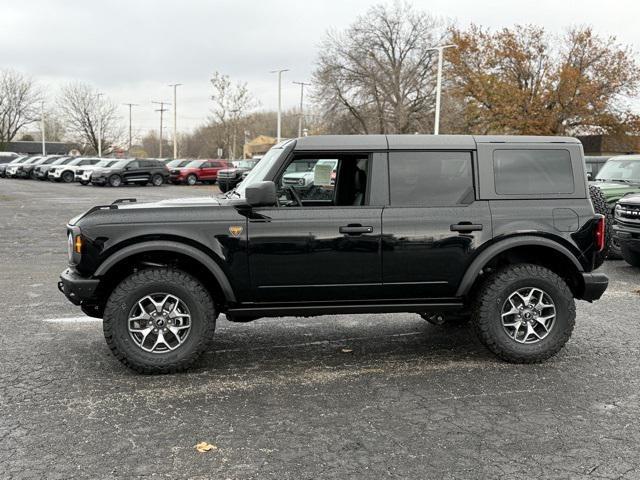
(466, 227)
(355, 229)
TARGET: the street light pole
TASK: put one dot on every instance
(440, 49)
(302, 84)
(279, 128)
(44, 145)
(99, 125)
(161, 110)
(175, 119)
(130, 105)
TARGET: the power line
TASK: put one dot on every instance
(161, 110)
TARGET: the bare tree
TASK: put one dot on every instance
(19, 104)
(379, 75)
(231, 101)
(83, 110)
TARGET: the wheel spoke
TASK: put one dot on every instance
(159, 323)
(524, 310)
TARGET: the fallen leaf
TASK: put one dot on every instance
(346, 350)
(203, 447)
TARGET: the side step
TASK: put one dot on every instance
(304, 310)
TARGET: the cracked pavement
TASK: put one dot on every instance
(279, 397)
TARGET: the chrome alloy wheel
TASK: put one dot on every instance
(159, 323)
(528, 315)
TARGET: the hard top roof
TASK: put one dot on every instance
(410, 142)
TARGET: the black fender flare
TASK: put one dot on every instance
(171, 246)
(503, 245)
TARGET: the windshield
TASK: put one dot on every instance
(177, 163)
(260, 170)
(620, 170)
(20, 160)
(194, 163)
(105, 163)
(245, 163)
(32, 160)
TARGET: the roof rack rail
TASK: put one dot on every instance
(124, 200)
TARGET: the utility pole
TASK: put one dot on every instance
(279, 129)
(99, 124)
(302, 84)
(440, 49)
(44, 145)
(175, 119)
(234, 119)
(161, 110)
(130, 105)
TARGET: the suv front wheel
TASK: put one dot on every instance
(524, 313)
(159, 320)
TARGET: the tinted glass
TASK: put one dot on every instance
(430, 178)
(621, 170)
(196, 164)
(134, 164)
(524, 172)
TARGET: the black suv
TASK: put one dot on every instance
(127, 171)
(626, 228)
(229, 178)
(498, 229)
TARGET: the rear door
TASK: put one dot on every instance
(433, 225)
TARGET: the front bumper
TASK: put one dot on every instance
(594, 286)
(98, 180)
(628, 236)
(77, 289)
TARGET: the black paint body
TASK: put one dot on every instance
(295, 260)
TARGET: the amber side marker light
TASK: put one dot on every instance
(77, 245)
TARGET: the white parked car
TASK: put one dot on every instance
(305, 178)
(67, 173)
(83, 174)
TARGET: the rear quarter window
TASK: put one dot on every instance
(524, 172)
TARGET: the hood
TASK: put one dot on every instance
(613, 191)
(631, 199)
(174, 202)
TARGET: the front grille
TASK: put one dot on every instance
(629, 211)
(226, 175)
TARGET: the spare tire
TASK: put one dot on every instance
(600, 206)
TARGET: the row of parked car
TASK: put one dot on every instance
(116, 172)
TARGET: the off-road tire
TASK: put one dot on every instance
(154, 280)
(600, 206)
(115, 180)
(630, 256)
(191, 179)
(486, 313)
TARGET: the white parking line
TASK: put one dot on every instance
(72, 320)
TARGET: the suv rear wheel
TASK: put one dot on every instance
(157, 180)
(159, 320)
(524, 313)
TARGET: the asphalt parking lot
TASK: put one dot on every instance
(382, 396)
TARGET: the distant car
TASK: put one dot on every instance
(594, 164)
(306, 177)
(626, 229)
(13, 168)
(15, 161)
(67, 172)
(229, 178)
(205, 171)
(83, 173)
(128, 171)
(40, 171)
(27, 170)
(6, 157)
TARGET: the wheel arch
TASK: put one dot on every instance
(524, 249)
(166, 253)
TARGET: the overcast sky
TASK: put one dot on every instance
(132, 49)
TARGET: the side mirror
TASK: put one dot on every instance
(589, 176)
(261, 194)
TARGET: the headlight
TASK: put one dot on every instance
(301, 181)
(617, 210)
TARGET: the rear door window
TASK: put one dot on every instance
(430, 178)
(530, 172)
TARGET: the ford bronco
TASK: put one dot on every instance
(500, 230)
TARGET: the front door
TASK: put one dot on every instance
(433, 224)
(323, 242)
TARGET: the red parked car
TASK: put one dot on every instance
(205, 171)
